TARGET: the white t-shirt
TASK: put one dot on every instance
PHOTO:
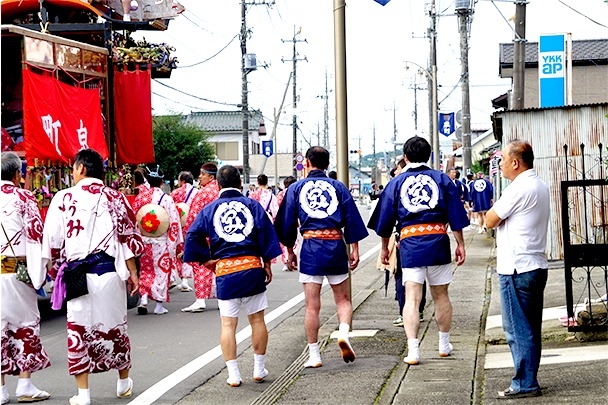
(521, 237)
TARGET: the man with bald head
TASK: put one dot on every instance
(521, 217)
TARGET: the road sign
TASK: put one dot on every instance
(267, 148)
(299, 167)
(299, 158)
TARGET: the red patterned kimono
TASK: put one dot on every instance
(184, 194)
(85, 218)
(21, 346)
(158, 260)
(203, 277)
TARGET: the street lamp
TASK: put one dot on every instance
(432, 76)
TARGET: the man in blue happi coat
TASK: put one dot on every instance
(422, 201)
(329, 220)
(242, 243)
(482, 195)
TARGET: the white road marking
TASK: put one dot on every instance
(160, 388)
(553, 356)
(495, 321)
(356, 333)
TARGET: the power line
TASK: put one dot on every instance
(212, 56)
(587, 17)
(176, 102)
(197, 97)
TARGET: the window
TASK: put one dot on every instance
(227, 150)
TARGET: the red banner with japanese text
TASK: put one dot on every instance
(133, 116)
(59, 119)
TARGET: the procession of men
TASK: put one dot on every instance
(226, 242)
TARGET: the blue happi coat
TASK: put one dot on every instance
(482, 193)
(236, 226)
(314, 203)
(420, 195)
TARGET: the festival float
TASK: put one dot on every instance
(73, 78)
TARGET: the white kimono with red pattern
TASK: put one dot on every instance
(21, 346)
(81, 219)
(284, 252)
(270, 203)
(203, 277)
(184, 194)
(158, 261)
(267, 200)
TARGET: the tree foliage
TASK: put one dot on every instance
(180, 146)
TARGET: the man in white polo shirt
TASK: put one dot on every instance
(521, 217)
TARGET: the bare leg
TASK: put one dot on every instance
(82, 380)
(411, 314)
(228, 337)
(443, 307)
(259, 332)
(312, 294)
(342, 299)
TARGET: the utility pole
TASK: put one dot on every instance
(374, 164)
(519, 56)
(360, 174)
(394, 132)
(464, 8)
(295, 60)
(434, 133)
(244, 93)
(326, 116)
(245, 70)
(325, 97)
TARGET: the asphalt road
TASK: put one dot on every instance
(177, 350)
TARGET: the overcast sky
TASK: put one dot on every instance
(379, 42)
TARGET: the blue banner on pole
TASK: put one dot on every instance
(267, 148)
(552, 70)
(382, 2)
(447, 124)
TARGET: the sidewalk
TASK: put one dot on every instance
(472, 374)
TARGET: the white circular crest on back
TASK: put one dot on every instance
(233, 221)
(419, 193)
(318, 199)
(479, 185)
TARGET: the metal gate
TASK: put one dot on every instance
(585, 236)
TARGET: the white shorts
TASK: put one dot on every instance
(333, 280)
(435, 275)
(253, 304)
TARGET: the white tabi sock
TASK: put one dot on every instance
(84, 395)
(445, 347)
(122, 385)
(343, 330)
(313, 350)
(259, 363)
(444, 339)
(5, 394)
(200, 302)
(234, 375)
(185, 282)
(143, 300)
(413, 349)
(314, 357)
(25, 387)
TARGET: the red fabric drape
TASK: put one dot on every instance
(59, 119)
(133, 116)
